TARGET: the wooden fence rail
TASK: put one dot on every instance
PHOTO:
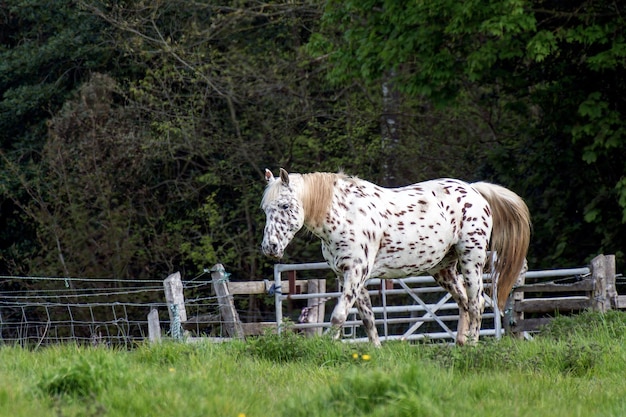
(530, 305)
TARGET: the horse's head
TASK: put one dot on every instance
(284, 213)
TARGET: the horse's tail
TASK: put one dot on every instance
(510, 235)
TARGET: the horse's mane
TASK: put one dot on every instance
(316, 194)
(271, 193)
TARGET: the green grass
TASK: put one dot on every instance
(575, 368)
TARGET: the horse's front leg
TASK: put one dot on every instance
(344, 303)
(354, 291)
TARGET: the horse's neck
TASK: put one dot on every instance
(345, 195)
(316, 192)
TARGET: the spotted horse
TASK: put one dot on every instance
(429, 227)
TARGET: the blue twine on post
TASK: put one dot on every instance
(225, 277)
(274, 289)
(177, 329)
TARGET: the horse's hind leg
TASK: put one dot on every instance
(364, 305)
(473, 280)
(449, 280)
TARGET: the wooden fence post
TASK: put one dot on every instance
(230, 317)
(512, 315)
(611, 291)
(599, 300)
(154, 327)
(317, 306)
(175, 304)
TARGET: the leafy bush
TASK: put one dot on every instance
(166, 353)
(289, 346)
(377, 392)
(579, 360)
(587, 325)
(88, 373)
(488, 354)
(573, 345)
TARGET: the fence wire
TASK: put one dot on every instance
(38, 311)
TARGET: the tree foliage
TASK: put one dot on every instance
(557, 66)
(45, 53)
(134, 135)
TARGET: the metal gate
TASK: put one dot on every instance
(430, 312)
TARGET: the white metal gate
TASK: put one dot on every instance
(432, 315)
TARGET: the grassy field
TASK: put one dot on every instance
(577, 367)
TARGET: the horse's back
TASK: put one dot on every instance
(422, 222)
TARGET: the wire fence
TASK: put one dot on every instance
(37, 311)
(48, 310)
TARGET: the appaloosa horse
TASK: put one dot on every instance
(429, 227)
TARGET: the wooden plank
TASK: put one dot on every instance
(549, 305)
(247, 287)
(530, 325)
(584, 285)
(620, 302)
(230, 317)
(261, 287)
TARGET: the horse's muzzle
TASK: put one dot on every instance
(272, 250)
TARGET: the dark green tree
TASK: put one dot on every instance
(555, 68)
(157, 164)
(45, 53)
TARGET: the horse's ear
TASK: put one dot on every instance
(284, 176)
(269, 177)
